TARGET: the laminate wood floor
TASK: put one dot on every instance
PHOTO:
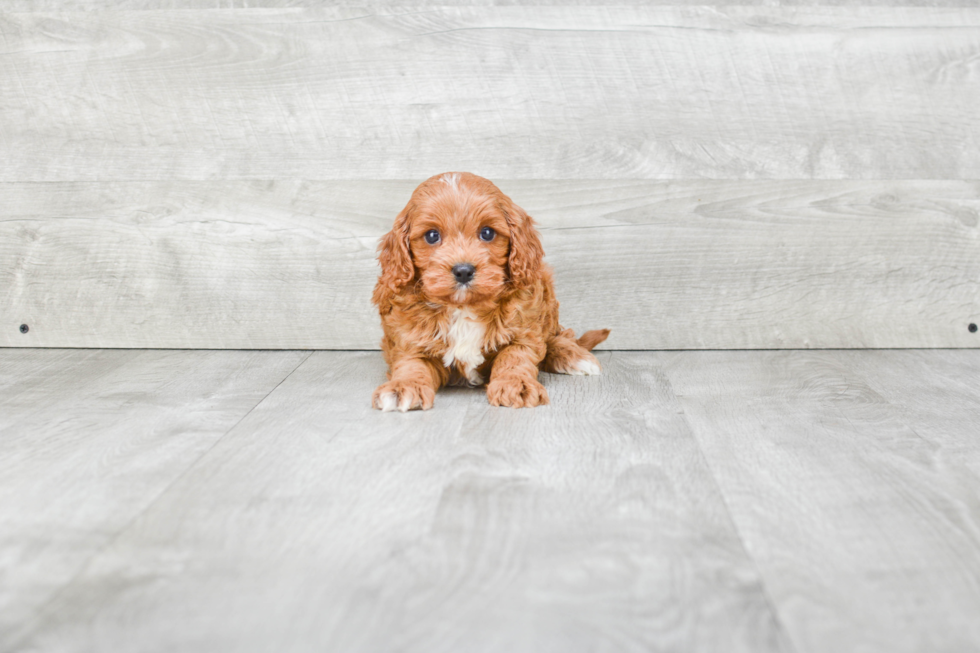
(155, 500)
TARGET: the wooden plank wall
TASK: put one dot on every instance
(704, 176)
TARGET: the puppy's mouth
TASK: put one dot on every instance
(462, 293)
(461, 284)
(464, 276)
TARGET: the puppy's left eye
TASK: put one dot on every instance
(432, 236)
(487, 234)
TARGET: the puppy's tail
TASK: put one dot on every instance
(592, 338)
(566, 355)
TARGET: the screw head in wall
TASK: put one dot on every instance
(24, 328)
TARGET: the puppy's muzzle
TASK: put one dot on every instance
(464, 273)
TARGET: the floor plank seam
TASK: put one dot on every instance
(25, 635)
(763, 586)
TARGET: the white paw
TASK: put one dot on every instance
(405, 404)
(402, 396)
(586, 367)
(389, 401)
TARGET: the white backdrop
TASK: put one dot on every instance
(704, 177)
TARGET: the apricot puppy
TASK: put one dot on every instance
(464, 296)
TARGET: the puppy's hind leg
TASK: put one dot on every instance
(566, 355)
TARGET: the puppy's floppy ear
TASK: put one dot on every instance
(526, 252)
(395, 258)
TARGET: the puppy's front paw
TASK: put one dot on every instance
(403, 396)
(516, 392)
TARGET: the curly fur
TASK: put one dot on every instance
(502, 326)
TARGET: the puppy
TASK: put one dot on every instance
(465, 297)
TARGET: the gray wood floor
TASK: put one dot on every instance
(251, 501)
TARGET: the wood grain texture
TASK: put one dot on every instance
(936, 394)
(91, 438)
(665, 265)
(799, 501)
(157, 5)
(507, 92)
(317, 523)
(865, 532)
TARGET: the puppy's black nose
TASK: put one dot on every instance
(464, 273)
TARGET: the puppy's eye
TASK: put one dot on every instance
(487, 234)
(432, 236)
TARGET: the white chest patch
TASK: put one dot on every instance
(465, 340)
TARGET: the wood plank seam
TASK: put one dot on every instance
(28, 629)
(764, 587)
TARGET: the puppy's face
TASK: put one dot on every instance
(459, 241)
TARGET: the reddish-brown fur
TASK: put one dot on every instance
(511, 295)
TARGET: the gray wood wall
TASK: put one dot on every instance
(173, 175)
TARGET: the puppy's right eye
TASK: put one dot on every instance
(432, 236)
